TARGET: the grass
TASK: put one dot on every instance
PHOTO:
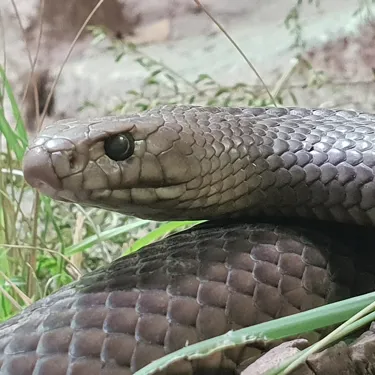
(45, 245)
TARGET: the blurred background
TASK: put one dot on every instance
(138, 53)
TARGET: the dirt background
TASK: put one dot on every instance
(338, 41)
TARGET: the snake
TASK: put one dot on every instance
(288, 199)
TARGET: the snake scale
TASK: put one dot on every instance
(289, 195)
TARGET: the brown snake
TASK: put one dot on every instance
(290, 195)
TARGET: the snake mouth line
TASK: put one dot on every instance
(136, 195)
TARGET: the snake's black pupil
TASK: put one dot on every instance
(119, 147)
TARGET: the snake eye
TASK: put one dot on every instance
(119, 147)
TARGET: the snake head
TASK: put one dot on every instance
(147, 165)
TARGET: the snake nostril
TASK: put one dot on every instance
(71, 163)
(72, 160)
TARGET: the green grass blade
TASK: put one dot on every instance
(20, 128)
(104, 236)
(160, 232)
(277, 329)
(11, 137)
(363, 317)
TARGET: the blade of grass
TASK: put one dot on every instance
(288, 365)
(105, 235)
(364, 316)
(70, 50)
(160, 232)
(252, 67)
(277, 329)
(11, 137)
(20, 129)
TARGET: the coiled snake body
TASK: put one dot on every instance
(290, 195)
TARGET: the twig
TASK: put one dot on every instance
(238, 49)
(80, 31)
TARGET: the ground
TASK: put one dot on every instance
(338, 40)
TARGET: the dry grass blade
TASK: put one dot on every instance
(31, 61)
(23, 296)
(199, 4)
(80, 31)
(13, 302)
(31, 282)
(53, 252)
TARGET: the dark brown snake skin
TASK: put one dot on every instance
(227, 274)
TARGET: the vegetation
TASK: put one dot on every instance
(46, 245)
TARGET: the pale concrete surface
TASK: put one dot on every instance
(196, 46)
(260, 32)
